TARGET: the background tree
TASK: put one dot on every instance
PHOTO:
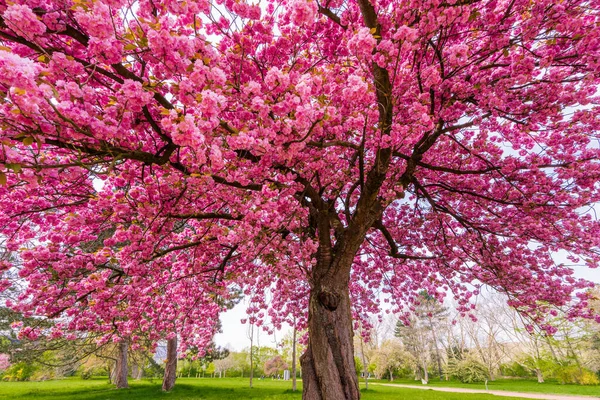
(225, 364)
(273, 366)
(415, 338)
(433, 314)
(391, 357)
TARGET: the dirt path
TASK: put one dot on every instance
(503, 393)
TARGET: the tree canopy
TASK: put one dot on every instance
(312, 149)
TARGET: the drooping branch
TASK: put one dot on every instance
(201, 216)
(394, 251)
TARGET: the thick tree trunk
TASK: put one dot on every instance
(328, 371)
(171, 366)
(120, 372)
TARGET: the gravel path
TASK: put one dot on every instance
(504, 393)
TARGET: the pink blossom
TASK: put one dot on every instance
(21, 19)
(302, 11)
(362, 43)
(4, 362)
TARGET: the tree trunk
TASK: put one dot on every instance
(491, 373)
(120, 373)
(425, 378)
(540, 376)
(171, 366)
(328, 370)
(251, 353)
(418, 375)
(437, 350)
(294, 360)
(135, 370)
(364, 361)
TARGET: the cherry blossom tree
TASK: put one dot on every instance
(312, 149)
(4, 362)
(274, 365)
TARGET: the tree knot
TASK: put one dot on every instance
(329, 300)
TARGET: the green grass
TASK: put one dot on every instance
(197, 389)
(513, 385)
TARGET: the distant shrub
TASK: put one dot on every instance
(515, 369)
(468, 371)
(20, 371)
(574, 375)
(87, 374)
(588, 378)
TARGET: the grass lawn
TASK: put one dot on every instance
(197, 389)
(513, 385)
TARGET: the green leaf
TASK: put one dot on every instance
(28, 141)
(2, 178)
(15, 167)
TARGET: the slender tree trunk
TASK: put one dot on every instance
(120, 373)
(171, 366)
(328, 370)
(491, 373)
(573, 353)
(135, 369)
(437, 350)
(425, 378)
(418, 375)
(294, 360)
(364, 361)
(251, 353)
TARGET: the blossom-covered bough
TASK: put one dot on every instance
(315, 149)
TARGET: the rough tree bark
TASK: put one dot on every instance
(328, 370)
(171, 366)
(121, 368)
